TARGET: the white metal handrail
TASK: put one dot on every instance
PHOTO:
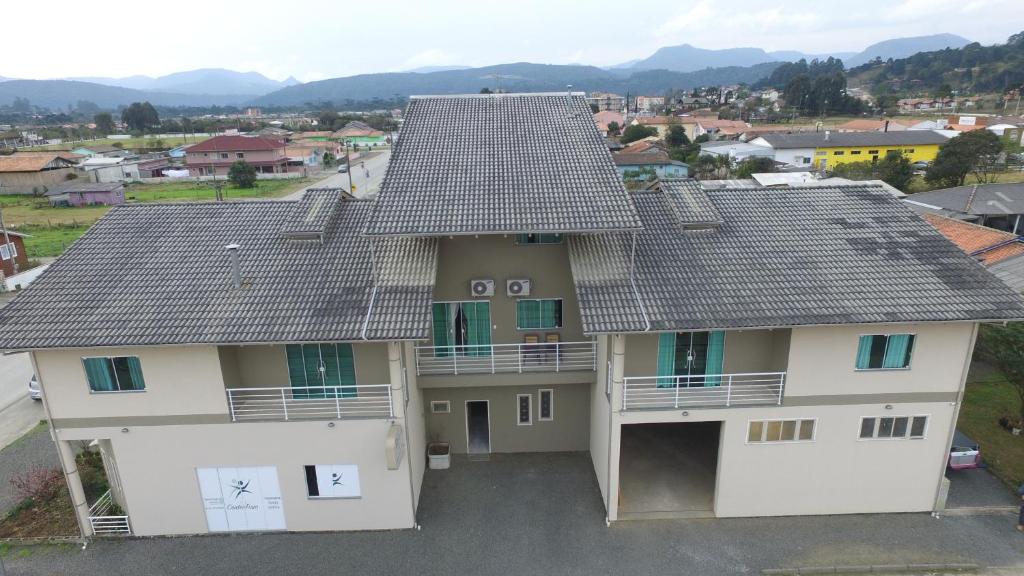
(311, 402)
(709, 390)
(495, 358)
(103, 523)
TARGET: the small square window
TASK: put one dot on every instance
(789, 430)
(239, 154)
(867, 428)
(774, 433)
(756, 431)
(440, 406)
(917, 426)
(224, 155)
(806, 430)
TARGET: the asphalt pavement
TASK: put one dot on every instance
(367, 174)
(18, 413)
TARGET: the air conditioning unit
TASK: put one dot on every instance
(484, 287)
(517, 287)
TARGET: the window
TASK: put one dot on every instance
(114, 374)
(873, 152)
(909, 150)
(239, 154)
(462, 328)
(838, 153)
(321, 370)
(332, 481)
(854, 152)
(801, 430)
(524, 239)
(884, 351)
(690, 359)
(538, 314)
(893, 427)
(805, 159)
(524, 409)
(821, 153)
(8, 251)
(440, 406)
(546, 408)
(224, 155)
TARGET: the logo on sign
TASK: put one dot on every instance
(238, 488)
(336, 479)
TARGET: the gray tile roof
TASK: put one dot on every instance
(782, 257)
(982, 199)
(83, 187)
(1010, 271)
(690, 205)
(501, 163)
(151, 274)
(818, 139)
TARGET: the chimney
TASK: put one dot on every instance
(236, 267)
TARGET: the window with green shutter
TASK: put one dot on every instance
(884, 351)
(321, 370)
(690, 359)
(527, 239)
(462, 328)
(539, 314)
(114, 374)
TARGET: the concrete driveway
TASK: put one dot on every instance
(18, 413)
(977, 488)
(542, 514)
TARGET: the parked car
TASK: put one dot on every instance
(34, 391)
(343, 169)
(964, 453)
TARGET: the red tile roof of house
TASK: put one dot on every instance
(643, 146)
(235, 143)
(986, 244)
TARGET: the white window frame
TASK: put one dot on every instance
(910, 364)
(540, 405)
(529, 404)
(764, 430)
(516, 311)
(224, 155)
(436, 404)
(910, 426)
(11, 251)
(316, 468)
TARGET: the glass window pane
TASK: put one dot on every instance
(755, 431)
(806, 430)
(789, 430)
(878, 344)
(885, 427)
(899, 429)
(917, 426)
(774, 431)
(100, 374)
(867, 428)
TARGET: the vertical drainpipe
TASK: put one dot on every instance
(618, 356)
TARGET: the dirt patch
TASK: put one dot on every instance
(54, 517)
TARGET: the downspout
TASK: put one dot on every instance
(632, 282)
(373, 294)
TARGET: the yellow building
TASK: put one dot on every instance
(823, 150)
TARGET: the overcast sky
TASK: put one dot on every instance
(316, 39)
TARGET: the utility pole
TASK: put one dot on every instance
(348, 164)
(7, 240)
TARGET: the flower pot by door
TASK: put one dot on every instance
(439, 455)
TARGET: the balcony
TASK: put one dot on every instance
(310, 403)
(705, 391)
(506, 358)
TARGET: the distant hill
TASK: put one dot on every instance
(215, 81)
(520, 77)
(904, 47)
(687, 58)
(61, 93)
(429, 69)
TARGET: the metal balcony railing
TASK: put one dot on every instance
(104, 523)
(704, 391)
(310, 402)
(504, 358)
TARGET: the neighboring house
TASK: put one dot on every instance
(737, 352)
(102, 151)
(999, 206)
(649, 103)
(358, 133)
(12, 253)
(33, 172)
(177, 152)
(646, 146)
(78, 193)
(217, 154)
(607, 102)
(273, 132)
(660, 123)
(658, 164)
(715, 128)
(823, 150)
(606, 117)
(154, 167)
(1001, 252)
(113, 169)
(736, 151)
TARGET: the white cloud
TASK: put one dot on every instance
(431, 57)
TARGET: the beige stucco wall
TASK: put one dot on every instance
(180, 380)
(600, 418)
(266, 366)
(158, 465)
(569, 431)
(416, 423)
(745, 351)
(462, 259)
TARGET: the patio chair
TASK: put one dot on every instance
(531, 353)
(551, 347)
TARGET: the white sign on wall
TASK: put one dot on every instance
(241, 499)
(335, 481)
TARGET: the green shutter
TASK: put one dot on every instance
(100, 374)
(666, 360)
(864, 352)
(296, 371)
(329, 356)
(897, 351)
(314, 378)
(442, 330)
(716, 358)
(347, 371)
(528, 314)
(523, 239)
(135, 370)
(547, 314)
(478, 328)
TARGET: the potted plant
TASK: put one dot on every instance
(439, 455)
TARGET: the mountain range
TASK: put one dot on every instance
(682, 67)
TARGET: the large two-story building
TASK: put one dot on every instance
(825, 150)
(728, 352)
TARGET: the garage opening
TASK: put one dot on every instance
(668, 470)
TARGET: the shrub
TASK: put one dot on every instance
(242, 174)
(92, 473)
(38, 484)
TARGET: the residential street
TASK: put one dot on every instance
(18, 413)
(373, 162)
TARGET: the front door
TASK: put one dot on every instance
(478, 427)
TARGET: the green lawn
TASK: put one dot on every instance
(987, 399)
(126, 142)
(919, 185)
(203, 191)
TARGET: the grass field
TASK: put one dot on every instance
(52, 229)
(988, 398)
(126, 143)
(919, 185)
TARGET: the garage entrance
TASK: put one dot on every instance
(668, 470)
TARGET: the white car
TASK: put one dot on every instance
(34, 391)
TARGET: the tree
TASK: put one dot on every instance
(327, 119)
(754, 165)
(104, 123)
(637, 132)
(676, 136)
(614, 129)
(486, 90)
(242, 174)
(972, 152)
(1003, 347)
(21, 105)
(140, 116)
(328, 159)
(895, 170)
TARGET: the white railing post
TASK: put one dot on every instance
(455, 360)
(558, 356)
(676, 380)
(492, 359)
(625, 389)
(593, 354)
(231, 405)
(337, 403)
(728, 392)
(520, 347)
(284, 404)
(391, 404)
(782, 384)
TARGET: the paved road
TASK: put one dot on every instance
(34, 450)
(373, 162)
(18, 413)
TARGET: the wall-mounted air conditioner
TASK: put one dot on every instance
(517, 287)
(482, 287)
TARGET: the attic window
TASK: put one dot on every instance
(691, 206)
(312, 214)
